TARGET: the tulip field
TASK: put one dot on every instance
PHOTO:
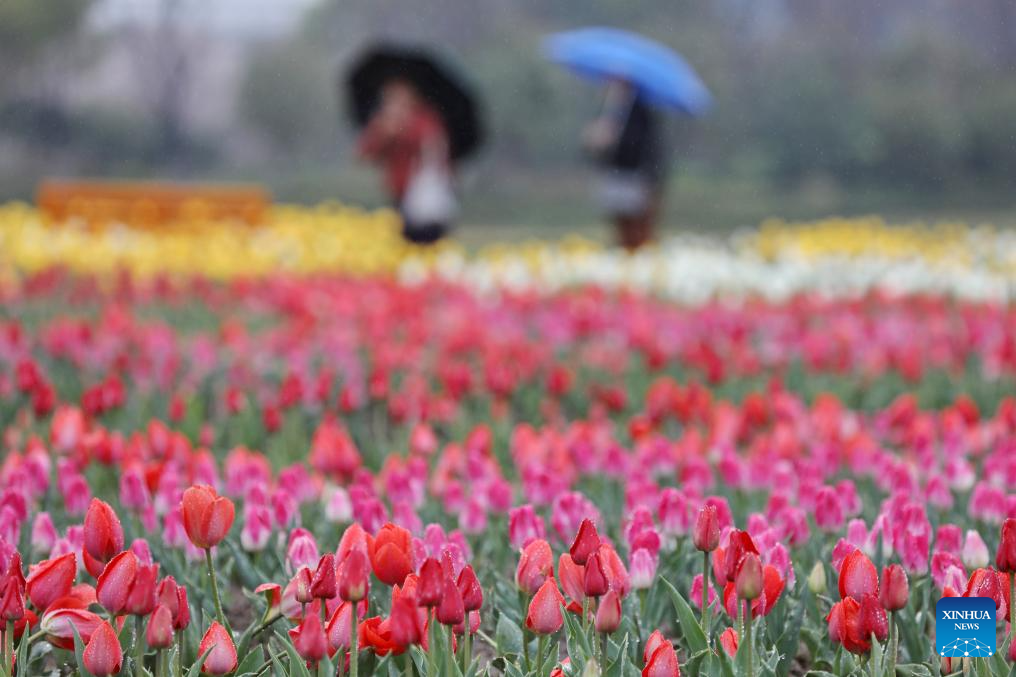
(303, 449)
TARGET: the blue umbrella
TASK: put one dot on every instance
(659, 73)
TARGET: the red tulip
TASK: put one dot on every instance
(391, 554)
(59, 623)
(114, 584)
(222, 659)
(159, 634)
(103, 533)
(586, 542)
(571, 576)
(407, 622)
(207, 517)
(430, 586)
(50, 580)
(544, 616)
(895, 589)
(309, 639)
(375, 634)
(873, 618)
(469, 587)
(12, 601)
(608, 613)
(594, 579)
(858, 576)
(655, 641)
(662, 662)
(706, 534)
(729, 641)
(142, 599)
(536, 563)
(845, 626)
(748, 580)
(740, 545)
(1005, 559)
(451, 611)
(103, 655)
(353, 573)
(323, 584)
(339, 630)
(301, 585)
(613, 566)
(174, 598)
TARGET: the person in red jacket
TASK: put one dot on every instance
(404, 135)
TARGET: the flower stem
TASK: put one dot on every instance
(1012, 610)
(8, 655)
(354, 654)
(451, 652)
(747, 642)
(540, 648)
(179, 653)
(139, 647)
(466, 648)
(215, 588)
(705, 594)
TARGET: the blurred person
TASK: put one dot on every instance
(627, 142)
(407, 137)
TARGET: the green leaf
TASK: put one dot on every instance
(790, 640)
(913, 670)
(195, 670)
(691, 631)
(79, 651)
(251, 663)
(297, 666)
(508, 636)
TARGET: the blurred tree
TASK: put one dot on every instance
(288, 94)
(28, 26)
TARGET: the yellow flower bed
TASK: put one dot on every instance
(337, 238)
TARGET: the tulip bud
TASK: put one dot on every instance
(221, 656)
(729, 641)
(102, 655)
(706, 535)
(594, 580)
(353, 573)
(159, 634)
(207, 517)
(536, 563)
(114, 585)
(643, 569)
(817, 579)
(873, 619)
(302, 579)
(748, 579)
(975, 552)
(586, 543)
(451, 610)
(323, 584)
(430, 586)
(469, 587)
(895, 588)
(1005, 559)
(544, 616)
(608, 614)
(309, 639)
(12, 601)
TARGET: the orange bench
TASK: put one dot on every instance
(148, 204)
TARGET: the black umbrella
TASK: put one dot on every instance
(440, 85)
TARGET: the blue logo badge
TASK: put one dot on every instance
(965, 626)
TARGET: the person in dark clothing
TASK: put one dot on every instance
(627, 142)
(408, 139)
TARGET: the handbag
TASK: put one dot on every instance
(430, 196)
